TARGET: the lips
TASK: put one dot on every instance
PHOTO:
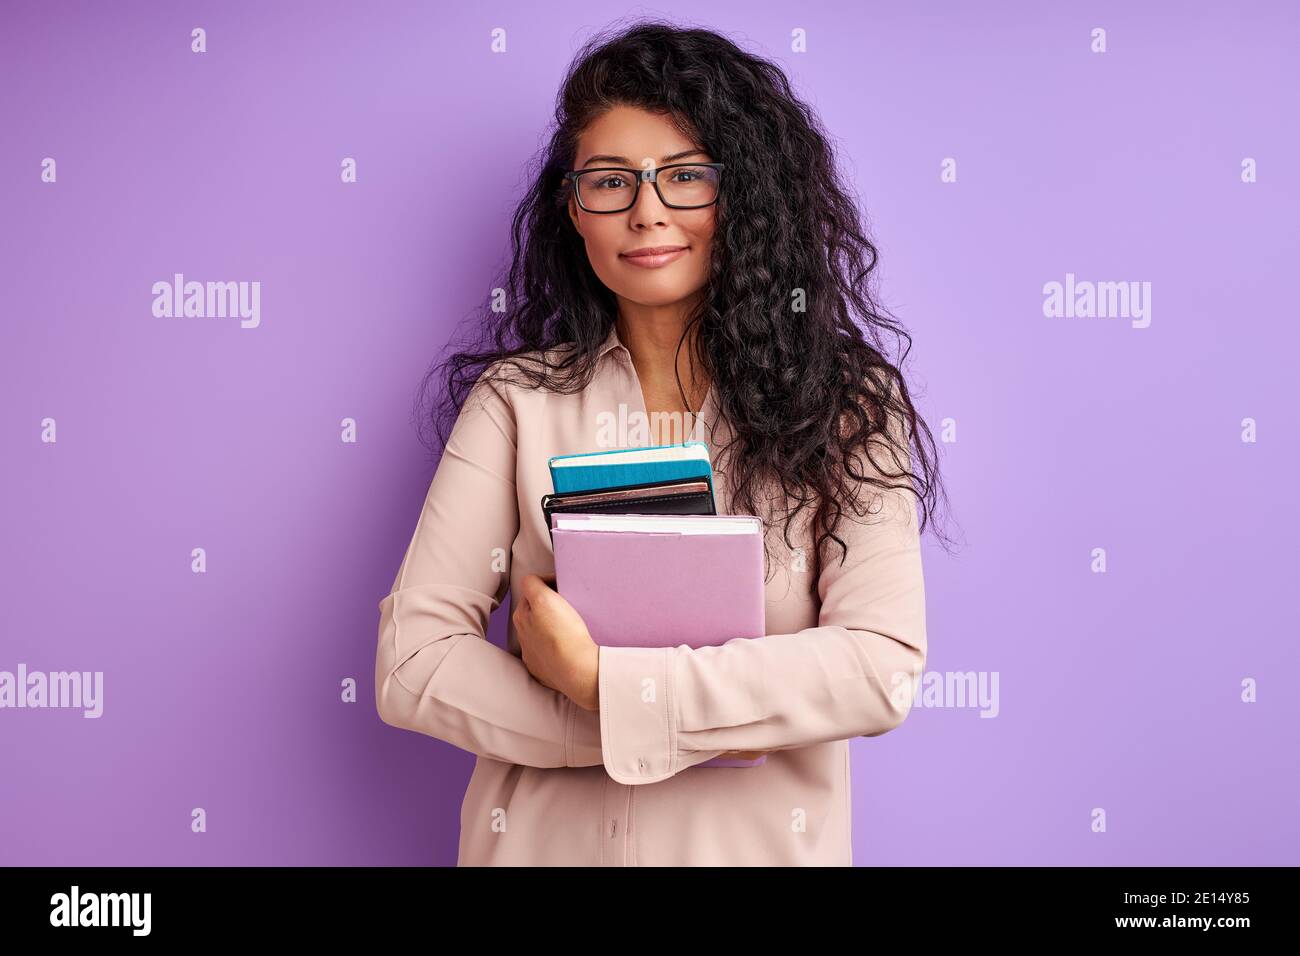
(653, 250)
(652, 257)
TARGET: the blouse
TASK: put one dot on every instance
(555, 784)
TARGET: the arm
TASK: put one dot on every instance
(668, 708)
(435, 671)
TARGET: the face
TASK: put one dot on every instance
(626, 136)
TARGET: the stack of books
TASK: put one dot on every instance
(663, 479)
(643, 556)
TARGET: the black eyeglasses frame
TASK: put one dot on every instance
(640, 176)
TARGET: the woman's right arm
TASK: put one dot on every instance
(435, 671)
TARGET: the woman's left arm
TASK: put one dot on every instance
(849, 676)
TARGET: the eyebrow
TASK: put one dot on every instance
(624, 161)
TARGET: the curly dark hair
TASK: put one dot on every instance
(806, 393)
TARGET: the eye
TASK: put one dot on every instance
(611, 181)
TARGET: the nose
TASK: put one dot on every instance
(648, 210)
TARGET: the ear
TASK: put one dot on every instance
(573, 213)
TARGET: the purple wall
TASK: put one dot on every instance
(1123, 690)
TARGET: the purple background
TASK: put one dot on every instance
(1117, 690)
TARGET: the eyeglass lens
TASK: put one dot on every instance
(613, 190)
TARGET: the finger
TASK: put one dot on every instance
(531, 585)
(541, 595)
(522, 605)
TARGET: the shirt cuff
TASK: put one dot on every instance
(638, 716)
(582, 736)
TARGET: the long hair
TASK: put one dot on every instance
(787, 327)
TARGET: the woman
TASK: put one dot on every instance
(686, 250)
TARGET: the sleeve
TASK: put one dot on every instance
(849, 676)
(435, 671)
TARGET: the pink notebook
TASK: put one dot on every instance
(664, 580)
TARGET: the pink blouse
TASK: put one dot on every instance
(556, 784)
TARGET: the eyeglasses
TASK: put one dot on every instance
(616, 188)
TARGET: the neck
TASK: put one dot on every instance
(652, 335)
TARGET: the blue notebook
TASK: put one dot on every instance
(600, 470)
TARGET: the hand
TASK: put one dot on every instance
(557, 647)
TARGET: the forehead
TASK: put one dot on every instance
(629, 136)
